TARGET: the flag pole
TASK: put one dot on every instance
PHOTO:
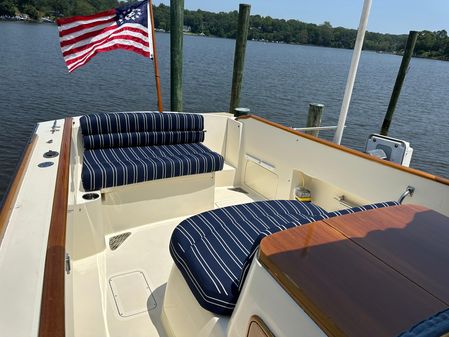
(156, 66)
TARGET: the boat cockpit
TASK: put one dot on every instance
(184, 224)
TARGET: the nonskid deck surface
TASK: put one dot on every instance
(132, 278)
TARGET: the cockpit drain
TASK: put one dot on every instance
(116, 241)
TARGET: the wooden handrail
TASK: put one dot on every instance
(52, 318)
(14, 189)
(416, 172)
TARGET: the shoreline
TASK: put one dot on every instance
(45, 20)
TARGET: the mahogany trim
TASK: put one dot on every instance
(261, 324)
(14, 189)
(416, 172)
(52, 318)
(292, 289)
(380, 247)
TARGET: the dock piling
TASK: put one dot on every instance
(314, 118)
(176, 53)
(239, 56)
(408, 53)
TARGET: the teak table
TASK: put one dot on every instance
(373, 273)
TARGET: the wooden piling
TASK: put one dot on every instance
(239, 55)
(408, 53)
(314, 118)
(176, 53)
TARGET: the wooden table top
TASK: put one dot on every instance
(373, 273)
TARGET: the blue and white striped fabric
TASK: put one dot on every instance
(127, 148)
(128, 165)
(213, 250)
(123, 122)
(362, 208)
(435, 326)
(128, 139)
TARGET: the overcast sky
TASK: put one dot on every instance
(387, 16)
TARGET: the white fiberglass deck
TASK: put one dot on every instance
(124, 275)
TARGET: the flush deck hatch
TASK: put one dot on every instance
(132, 293)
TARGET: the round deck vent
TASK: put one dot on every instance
(51, 154)
(90, 196)
(45, 164)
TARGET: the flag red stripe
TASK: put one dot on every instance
(85, 26)
(99, 43)
(64, 21)
(116, 46)
(95, 33)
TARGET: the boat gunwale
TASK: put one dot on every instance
(413, 171)
(15, 185)
(52, 313)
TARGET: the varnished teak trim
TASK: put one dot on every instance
(52, 319)
(418, 173)
(11, 197)
(385, 271)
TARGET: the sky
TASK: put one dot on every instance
(387, 16)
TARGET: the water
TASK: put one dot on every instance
(279, 83)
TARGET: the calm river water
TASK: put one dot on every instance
(279, 83)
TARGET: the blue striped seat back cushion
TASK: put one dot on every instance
(124, 122)
(129, 139)
(362, 208)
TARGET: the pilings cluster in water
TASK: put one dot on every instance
(176, 54)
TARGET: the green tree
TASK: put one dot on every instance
(31, 11)
(7, 8)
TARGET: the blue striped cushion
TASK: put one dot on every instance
(213, 250)
(435, 326)
(363, 208)
(124, 122)
(127, 165)
(142, 139)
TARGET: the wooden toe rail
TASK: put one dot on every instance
(52, 319)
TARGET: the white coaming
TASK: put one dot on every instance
(364, 179)
(23, 249)
(263, 296)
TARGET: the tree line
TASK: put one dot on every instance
(262, 28)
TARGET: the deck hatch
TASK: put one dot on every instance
(132, 294)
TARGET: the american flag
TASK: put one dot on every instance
(82, 37)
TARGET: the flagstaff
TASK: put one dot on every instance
(155, 61)
(129, 27)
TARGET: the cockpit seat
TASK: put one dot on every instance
(213, 250)
(127, 148)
